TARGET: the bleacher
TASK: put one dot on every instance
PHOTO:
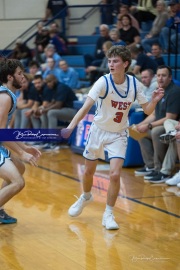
(77, 48)
(172, 63)
(85, 44)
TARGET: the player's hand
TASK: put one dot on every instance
(33, 151)
(66, 133)
(29, 158)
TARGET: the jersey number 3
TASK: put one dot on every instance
(118, 117)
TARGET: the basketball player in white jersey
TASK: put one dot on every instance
(113, 94)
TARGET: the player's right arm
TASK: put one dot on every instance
(66, 132)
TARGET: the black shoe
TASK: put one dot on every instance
(160, 178)
(143, 171)
(151, 175)
(5, 218)
(168, 137)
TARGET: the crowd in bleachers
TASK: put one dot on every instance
(42, 102)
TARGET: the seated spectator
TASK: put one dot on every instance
(61, 107)
(96, 72)
(41, 41)
(96, 60)
(58, 42)
(124, 10)
(144, 11)
(22, 52)
(68, 75)
(42, 97)
(156, 54)
(160, 21)
(128, 33)
(153, 151)
(115, 37)
(54, 26)
(50, 52)
(142, 60)
(55, 7)
(149, 82)
(51, 69)
(24, 103)
(175, 180)
(170, 158)
(34, 68)
(174, 16)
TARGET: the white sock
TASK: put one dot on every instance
(109, 208)
(87, 195)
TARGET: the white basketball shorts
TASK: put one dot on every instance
(99, 141)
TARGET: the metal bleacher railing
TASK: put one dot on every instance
(31, 32)
(86, 43)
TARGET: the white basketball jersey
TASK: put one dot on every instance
(114, 101)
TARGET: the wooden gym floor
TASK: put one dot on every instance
(46, 238)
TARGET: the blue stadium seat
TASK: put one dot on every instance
(82, 49)
(177, 73)
(81, 72)
(87, 39)
(84, 83)
(176, 82)
(74, 60)
(172, 59)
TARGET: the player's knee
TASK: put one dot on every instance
(114, 176)
(20, 184)
(21, 168)
(88, 173)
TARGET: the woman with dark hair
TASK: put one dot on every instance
(124, 10)
(129, 34)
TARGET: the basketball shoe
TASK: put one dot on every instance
(175, 180)
(76, 209)
(108, 221)
(5, 218)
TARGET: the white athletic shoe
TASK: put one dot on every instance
(174, 180)
(108, 221)
(76, 209)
